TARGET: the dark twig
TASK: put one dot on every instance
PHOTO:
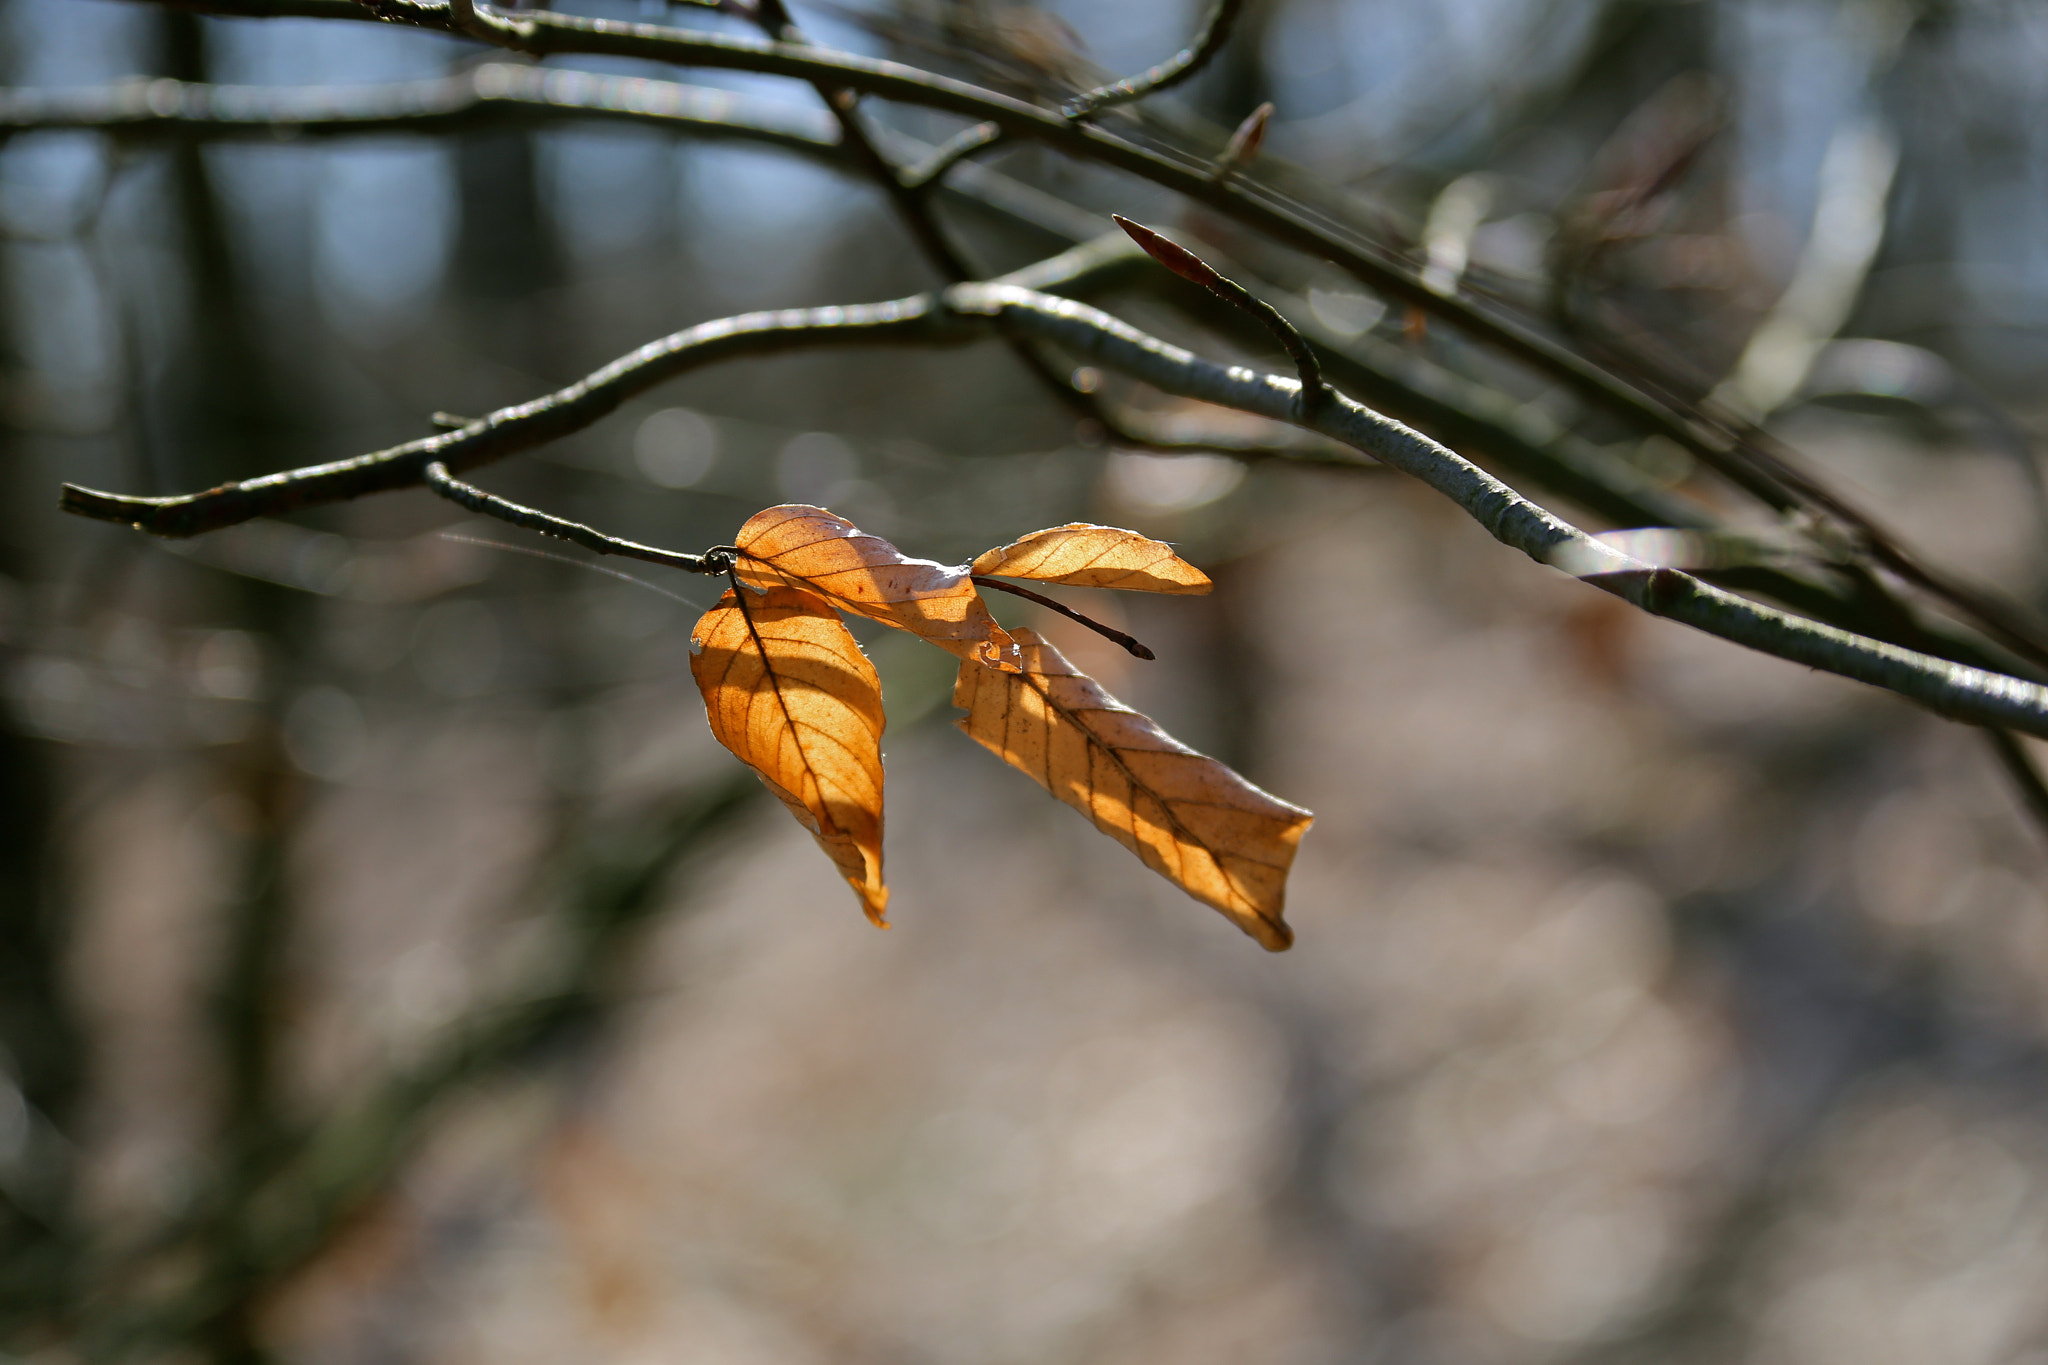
(1186, 264)
(487, 95)
(436, 476)
(1175, 69)
(497, 94)
(910, 203)
(950, 153)
(513, 429)
(844, 102)
(918, 319)
(1974, 695)
(1726, 445)
(1106, 632)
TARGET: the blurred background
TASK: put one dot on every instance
(393, 969)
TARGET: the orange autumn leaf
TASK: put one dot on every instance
(787, 689)
(812, 549)
(1188, 817)
(1090, 556)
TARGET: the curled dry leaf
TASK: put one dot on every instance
(787, 689)
(1188, 817)
(812, 549)
(1090, 556)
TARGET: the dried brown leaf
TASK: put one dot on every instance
(1089, 556)
(787, 689)
(812, 549)
(1188, 817)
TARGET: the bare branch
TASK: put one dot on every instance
(496, 92)
(1171, 72)
(951, 153)
(509, 430)
(1954, 690)
(436, 476)
(1969, 694)
(910, 203)
(1719, 440)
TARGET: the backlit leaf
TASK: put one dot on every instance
(1094, 557)
(812, 549)
(787, 689)
(1190, 818)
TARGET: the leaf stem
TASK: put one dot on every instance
(1106, 632)
(475, 499)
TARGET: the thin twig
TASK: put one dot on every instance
(513, 429)
(484, 95)
(1975, 695)
(950, 153)
(436, 476)
(1189, 266)
(1175, 69)
(910, 203)
(1722, 442)
(773, 18)
(914, 320)
(1106, 632)
(1964, 693)
(496, 94)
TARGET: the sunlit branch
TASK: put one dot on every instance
(1747, 458)
(1457, 410)
(1721, 442)
(1470, 417)
(1952, 689)
(1965, 693)
(1171, 72)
